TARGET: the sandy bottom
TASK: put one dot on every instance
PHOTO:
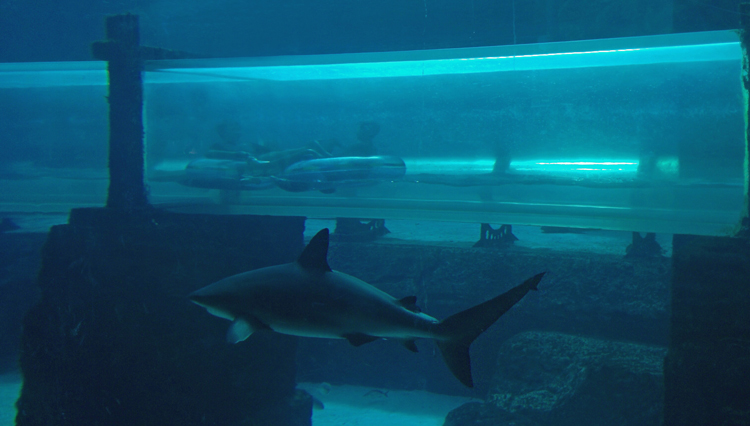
(347, 405)
(343, 405)
(10, 385)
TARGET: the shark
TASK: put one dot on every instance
(328, 174)
(307, 298)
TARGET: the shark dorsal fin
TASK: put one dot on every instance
(314, 256)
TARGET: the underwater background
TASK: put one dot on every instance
(38, 31)
(95, 324)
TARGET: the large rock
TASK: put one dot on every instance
(115, 341)
(19, 264)
(552, 378)
(707, 369)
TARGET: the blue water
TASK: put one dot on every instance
(577, 122)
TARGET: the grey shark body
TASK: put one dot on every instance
(307, 298)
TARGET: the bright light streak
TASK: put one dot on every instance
(569, 166)
(551, 54)
(453, 166)
(593, 163)
(468, 166)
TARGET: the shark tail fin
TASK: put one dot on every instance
(459, 331)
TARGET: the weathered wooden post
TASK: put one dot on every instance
(112, 340)
(744, 230)
(122, 52)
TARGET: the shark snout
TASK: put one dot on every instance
(200, 297)
(213, 303)
(194, 297)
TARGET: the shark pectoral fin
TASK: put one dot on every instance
(409, 344)
(239, 331)
(409, 303)
(317, 404)
(359, 339)
(242, 328)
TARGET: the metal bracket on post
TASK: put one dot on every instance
(644, 246)
(489, 237)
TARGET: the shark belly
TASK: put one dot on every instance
(342, 306)
(333, 328)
